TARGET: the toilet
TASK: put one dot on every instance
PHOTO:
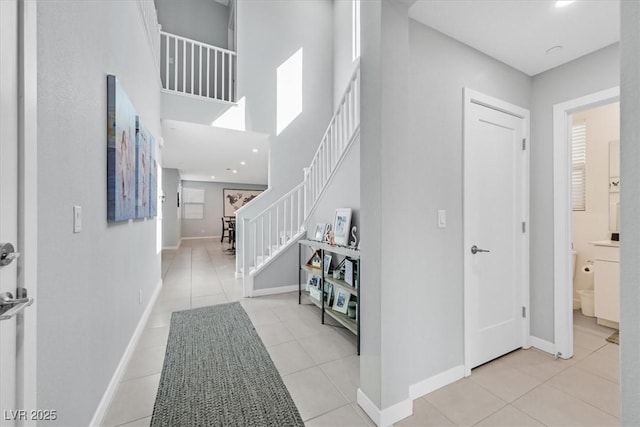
(576, 299)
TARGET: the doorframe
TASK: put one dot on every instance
(562, 212)
(26, 395)
(471, 96)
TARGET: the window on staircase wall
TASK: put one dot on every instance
(578, 166)
(289, 91)
(355, 29)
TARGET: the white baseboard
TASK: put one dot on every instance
(98, 416)
(200, 237)
(274, 291)
(385, 417)
(435, 382)
(170, 248)
(543, 345)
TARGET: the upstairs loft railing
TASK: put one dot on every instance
(192, 68)
(285, 220)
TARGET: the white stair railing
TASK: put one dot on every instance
(274, 228)
(336, 140)
(285, 220)
(197, 69)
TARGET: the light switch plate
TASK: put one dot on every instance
(77, 219)
(442, 219)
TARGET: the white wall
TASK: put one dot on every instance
(630, 226)
(171, 224)
(201, 20)
(603, 126)
(88, 282)
(211, 224)
(589, 74)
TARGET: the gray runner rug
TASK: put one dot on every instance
(217, 372)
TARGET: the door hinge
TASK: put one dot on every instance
(524, 311)
(524, 227)
(524, 143)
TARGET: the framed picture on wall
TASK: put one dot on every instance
(121, 153)
(235, 199)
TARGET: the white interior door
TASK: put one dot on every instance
(495, 243)
(8, 199)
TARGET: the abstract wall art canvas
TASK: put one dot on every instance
(143, 170)
(121, 153)
(153, 178)
(235, 199)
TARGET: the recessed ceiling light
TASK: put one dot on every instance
(243, 163)
(563, 3)
(234, 171)
(554, 49)
(255, 150)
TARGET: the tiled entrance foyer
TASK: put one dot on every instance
(320, 368)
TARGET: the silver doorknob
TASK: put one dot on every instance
(475, 250)
(7, 253)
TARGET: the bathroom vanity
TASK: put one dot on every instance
(607, 282)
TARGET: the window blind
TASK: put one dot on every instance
(578, 163)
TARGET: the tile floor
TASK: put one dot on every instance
(320, 368)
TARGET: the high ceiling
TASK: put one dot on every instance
(201, 151)
(520, 32)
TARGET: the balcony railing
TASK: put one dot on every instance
(197, 69)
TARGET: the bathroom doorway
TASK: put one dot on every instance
(595, 198)
(586, 178)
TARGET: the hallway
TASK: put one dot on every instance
(318, 363)
(320, 368)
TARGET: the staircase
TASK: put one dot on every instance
(284, 222)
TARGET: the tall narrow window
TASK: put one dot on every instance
(355, 29)
(578, 163)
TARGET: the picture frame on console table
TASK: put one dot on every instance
(342, 226)
(341, 301)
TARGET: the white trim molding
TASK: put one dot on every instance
(198, 238)
(105, 402)
(540, 344)
(562, 237)
(273, 291)
(388, 416)
(436, 382)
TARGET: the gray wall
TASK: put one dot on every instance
(268, 33)
(201, 20)
(342, 192)
(440, 68)
(588, 74)
(171, 224)
(343, 65)
(211, 224)
(630, 196)
(88, 282)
